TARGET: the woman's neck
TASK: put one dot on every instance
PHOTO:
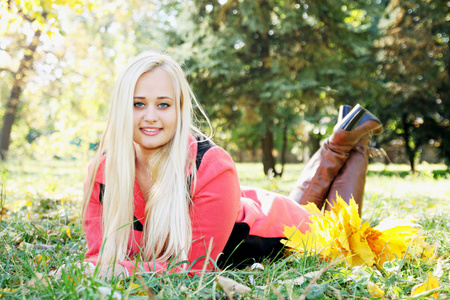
(142, 156)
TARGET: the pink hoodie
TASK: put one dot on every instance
(221, 210)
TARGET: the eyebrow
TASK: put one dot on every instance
(159, 97)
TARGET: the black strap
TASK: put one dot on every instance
(137, 225)
(203, 145)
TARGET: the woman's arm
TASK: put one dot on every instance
(92, 224)
(215, 205)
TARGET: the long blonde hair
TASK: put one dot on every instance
(167, 230)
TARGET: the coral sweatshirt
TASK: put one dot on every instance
(245, 223)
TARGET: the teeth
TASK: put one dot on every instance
(150, 130)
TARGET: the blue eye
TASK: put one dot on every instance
(163, 105)
(138, 104)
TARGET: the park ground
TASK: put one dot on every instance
(40, 230)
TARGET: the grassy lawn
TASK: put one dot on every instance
(40, 230)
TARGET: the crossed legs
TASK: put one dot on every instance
(340, 165)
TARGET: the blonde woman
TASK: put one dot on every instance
(159, 195)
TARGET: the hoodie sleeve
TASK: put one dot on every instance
(215, 206)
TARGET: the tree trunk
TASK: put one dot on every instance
(283, 149)
(410, 152)
(267, 147)
(16, 91)
(267, 109)
(312, 147)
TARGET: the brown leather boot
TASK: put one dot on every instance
(351, 180)
(321, 170)
(318, 174)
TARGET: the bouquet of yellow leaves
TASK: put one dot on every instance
(340, 233)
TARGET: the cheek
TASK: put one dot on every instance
(173, 122)
(136, 117)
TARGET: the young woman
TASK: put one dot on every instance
(159, 195)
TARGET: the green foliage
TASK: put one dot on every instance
(31, 45)
(413, 56)
(260, 68)
(268, 65)
(261, 64)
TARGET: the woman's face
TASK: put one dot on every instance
(154, 112)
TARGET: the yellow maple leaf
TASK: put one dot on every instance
(41, 258)
(68, 233)
(431, 283)
(399, 237)
(374, 290)
(340, 232)
(333, 235)
(312, 209)
(6, 291)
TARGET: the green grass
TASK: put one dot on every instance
(40, 206)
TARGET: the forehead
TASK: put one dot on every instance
(154, 82)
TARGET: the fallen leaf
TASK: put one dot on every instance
(296, 281)
(431, 283)
(68, 233)
(17, 205)
(41, 258)
(255, 268)
(301, 279)
(38, 277)
(374, 290)
(438, 270)
(230, 286)
(151, 295)
(6, 291)
(106, 291)
(25, 246)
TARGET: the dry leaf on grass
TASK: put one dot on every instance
(431, 283)
(301, 279)
(374, 290)
(230, 286)
(148, 290)
(256, 267)
(38, 277)
(438, 269)
(108, 292)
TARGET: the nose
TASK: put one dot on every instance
(150, 115)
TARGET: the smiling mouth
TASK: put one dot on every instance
(151, 131)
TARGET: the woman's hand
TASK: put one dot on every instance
(105, 271)
(89, 269)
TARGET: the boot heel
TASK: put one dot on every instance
(351, 118)
(343, 111)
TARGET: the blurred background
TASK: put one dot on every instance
(270, 74)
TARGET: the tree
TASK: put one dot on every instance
(413, 56)
(30, 21)
(260, 61)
